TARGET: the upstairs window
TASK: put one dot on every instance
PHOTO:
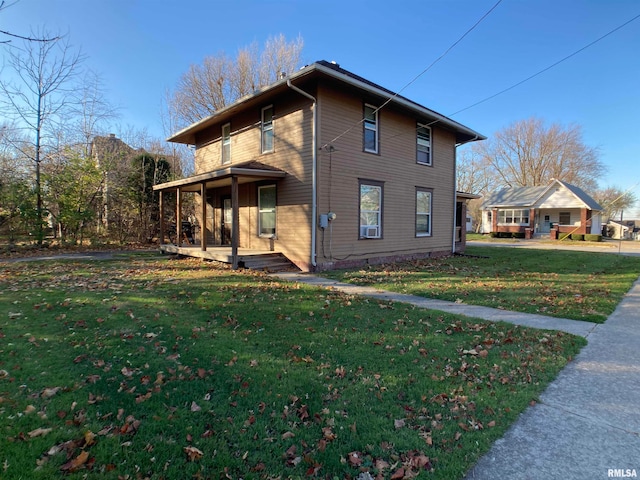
(370, 210)
(423, 144)
(370, 129)
(267, 129)
(226, 143)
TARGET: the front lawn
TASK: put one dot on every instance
(173, 369)
(567, 284)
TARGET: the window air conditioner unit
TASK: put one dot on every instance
(369, 232)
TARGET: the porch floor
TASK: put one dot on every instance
(247, 257)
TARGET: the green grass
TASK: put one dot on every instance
(173, 369)
(567, 284)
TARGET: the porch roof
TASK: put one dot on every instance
(245, 172)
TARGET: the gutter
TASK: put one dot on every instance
(314, 168)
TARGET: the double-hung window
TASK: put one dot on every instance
(370, 129)
(267, 129)
(423, 212)
(370, 209)
(267, 210)
(226, 143)
(423, 144)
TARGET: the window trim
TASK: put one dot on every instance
(361, 232)
(261, 210)
(429, 233)
(429, 161)
(225, 144)
(565, 215)
(266, 127)
(375, 130)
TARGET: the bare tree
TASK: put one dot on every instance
(12, 35)
(614, 201)
(220, 80)
(39, 94)
(528, 153)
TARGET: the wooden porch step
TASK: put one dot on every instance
(275, 262)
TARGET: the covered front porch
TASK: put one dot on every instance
(227, 248)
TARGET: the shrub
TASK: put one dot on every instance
(563, 236)
(494, 235)
(590, 237)
(518, 234)
(577, 236)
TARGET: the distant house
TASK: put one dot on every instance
(327, 169)
(552, 209)
(624, 230)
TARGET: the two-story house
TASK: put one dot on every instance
(327, 168)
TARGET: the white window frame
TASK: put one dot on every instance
(371, 126)
(428, 214)
(266, 130)
(265, 210)
(225, 144)
(514, 216)
(368, 228)
(423, 145)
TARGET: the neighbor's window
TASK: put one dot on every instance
(370, 210)
(423, 144)
(226, 143)
(370, 129)
(267, 210)
(267, 129)
(423, 212)
(565, 218)
(513, 217)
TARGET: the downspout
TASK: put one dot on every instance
(314, 167)
(455, 191)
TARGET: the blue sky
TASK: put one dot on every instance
(141, 47)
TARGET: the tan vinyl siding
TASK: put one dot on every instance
(395, 165)
(292, 153)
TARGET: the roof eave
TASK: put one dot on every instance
(463, 133)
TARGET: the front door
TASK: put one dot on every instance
(227, 221)
(546, 224)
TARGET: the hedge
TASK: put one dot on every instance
(590, 237)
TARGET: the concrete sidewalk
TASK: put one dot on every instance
(587, 423)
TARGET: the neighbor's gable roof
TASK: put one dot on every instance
(527, 197)
(333, 71)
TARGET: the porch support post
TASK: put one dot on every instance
(178, 217)
(161, 206)
(203, 217)
(235, 230)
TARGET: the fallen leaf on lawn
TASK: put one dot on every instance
(193, 453)
(73, 465)
(398, 423)
(287, 435)
(355, 459)
(29, 409)
(470, 352)
(398, 474)
(38, 432)
(50, 392)
(195, 407)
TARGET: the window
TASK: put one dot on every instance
(370, 129)
(267, 210)
(370, 210)
(423, 141)
(226, 143)
(267, 129)
(565, 218)
(513, 217)
(423, 213)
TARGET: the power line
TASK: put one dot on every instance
(547, 68)
(423, 71)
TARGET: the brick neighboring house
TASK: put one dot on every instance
(553, 209)
(326, 168)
